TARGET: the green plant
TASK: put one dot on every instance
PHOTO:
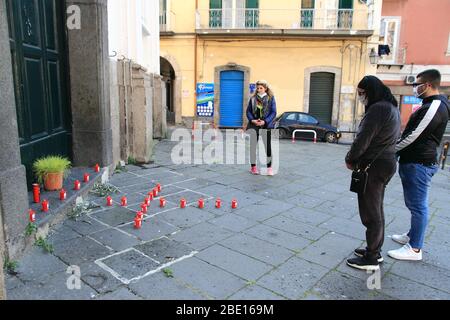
(132, 160)
(82, 209)
(168, 273)
(103, 189)
(30, 229)
(44, 244)
(120, 169)
(10, 266)
(51, 164)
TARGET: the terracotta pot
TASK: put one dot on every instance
(53, 181)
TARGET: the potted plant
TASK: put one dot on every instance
(51, 171)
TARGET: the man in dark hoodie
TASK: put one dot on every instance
(417, 149)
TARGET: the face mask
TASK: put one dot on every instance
(416, 91)
(363, 99)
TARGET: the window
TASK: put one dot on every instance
(251, 13)
(215, 13)
(345, 14)
(448, 46)
(304, 118)
(307, 14)
(389, 35)
(291, 117)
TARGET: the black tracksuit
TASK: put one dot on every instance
(379, 128)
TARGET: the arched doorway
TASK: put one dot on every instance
(169, 76)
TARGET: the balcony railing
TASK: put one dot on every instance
(166, 21)
(320, 19)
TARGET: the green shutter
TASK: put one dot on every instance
(252, 4)
(215, 4)
(321, 96)
(345, 4)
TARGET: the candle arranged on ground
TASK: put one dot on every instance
(150, 195)
(140, 215)
(109, 201)
(218, 203)
(77, 185)
(234, 204)
(124, 201)
(183, 203)
(201, 203)
(32, 215)
(62, 195)
(144, 208)
(155, 192)
(147, 201)
(97, 168)
(36, 193)
(45, 205)
(158, 187)
(86, 177)
(137, 223)
(162, 202)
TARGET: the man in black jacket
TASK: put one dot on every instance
(417, 149)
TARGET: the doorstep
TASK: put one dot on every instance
(59, 210)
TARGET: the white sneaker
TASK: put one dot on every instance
(401, 238)
(405, 253)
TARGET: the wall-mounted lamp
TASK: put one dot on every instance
(373, 56)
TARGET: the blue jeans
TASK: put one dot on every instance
(416, 181)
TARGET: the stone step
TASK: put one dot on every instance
(59, 210)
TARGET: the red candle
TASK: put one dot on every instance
(62, 195)
(97, 168)
(183, 203)
(144, 208)
(86, 177)
(147, 201)
(234, 204)
(201, 203)
(45, 205)
(124, 201)
(155, 192)
(32, 215)
(158, 187)
(77, 185)
(218, 203)
(162, 202)
(137, 223)
(36, 193)
(140, 215)
(109, 201)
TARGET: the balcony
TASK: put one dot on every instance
(283, 21)
(166, 22)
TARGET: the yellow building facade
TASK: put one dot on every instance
(313, 54)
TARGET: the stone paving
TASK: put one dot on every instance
(288, 239)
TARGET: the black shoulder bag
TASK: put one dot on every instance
(360, 177)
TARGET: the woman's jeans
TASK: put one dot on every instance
(416, 181)
(371, 204)
(255, 134)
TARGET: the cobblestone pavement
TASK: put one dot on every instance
(288, 239)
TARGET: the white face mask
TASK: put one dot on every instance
(363, 99)
(416, 91)
(262, 95)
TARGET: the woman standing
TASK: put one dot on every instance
(374, 148)
(261, 113)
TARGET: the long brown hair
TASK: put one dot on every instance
(265, 84)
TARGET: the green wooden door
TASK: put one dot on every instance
(321, 96)
(38, 52)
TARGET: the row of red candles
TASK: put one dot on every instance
(62, 194)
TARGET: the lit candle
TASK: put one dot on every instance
(36, 193)
(144, 208)
(234, 204)
(218, 203)
(86, 177)
(201, 203)
(109, 201)
(97, 168)
(124, 201)
(158, 187)
(183, 203)
(77, 185)
(162, 202)
(62, 195)
(45, 205)
(137, 223)
(32, 215)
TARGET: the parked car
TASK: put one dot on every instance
(290, 121)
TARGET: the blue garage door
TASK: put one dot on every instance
(231, 98)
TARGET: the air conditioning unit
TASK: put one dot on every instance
(410, 79)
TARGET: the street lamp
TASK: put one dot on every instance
(373, 56)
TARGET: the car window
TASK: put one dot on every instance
(303, 118)
(310, 119)
(291, 117)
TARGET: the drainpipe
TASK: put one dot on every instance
(195, 61)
